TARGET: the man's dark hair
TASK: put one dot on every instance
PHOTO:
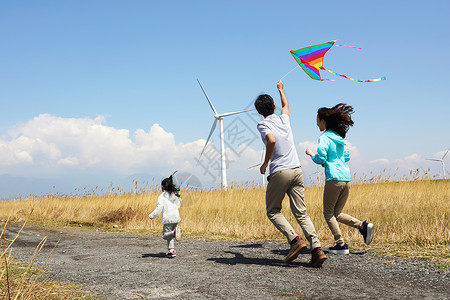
(264, 105)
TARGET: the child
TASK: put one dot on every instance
(333, 155)
(168, 203)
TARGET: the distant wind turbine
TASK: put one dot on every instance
(257, 165)
(442, 163)
(219, 117)
(318, 173)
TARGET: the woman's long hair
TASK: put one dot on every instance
(338, 118)
(169, 186)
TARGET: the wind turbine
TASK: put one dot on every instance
(318, 174)
(219, 117)
(442, 163)
(259, 164)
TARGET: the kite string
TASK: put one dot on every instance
(289, 72)
(348, 46)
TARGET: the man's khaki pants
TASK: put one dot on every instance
(289, 182)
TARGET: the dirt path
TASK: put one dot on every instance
(124, 266)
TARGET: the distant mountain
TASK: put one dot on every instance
(128, 183)
(12, 187)
(19, 187)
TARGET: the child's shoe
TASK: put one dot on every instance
(339, 249)
(367, 232)
(177, 233)
(172, 253)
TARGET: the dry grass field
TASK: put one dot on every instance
(411, 217)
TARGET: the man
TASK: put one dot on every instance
(285, 177)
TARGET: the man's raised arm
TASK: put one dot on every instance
(284, 101)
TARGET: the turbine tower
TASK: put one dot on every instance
(219, 117)
(442, 163)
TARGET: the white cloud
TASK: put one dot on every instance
(68, 161)
(49, 143)
(413, 158)
(380, 161)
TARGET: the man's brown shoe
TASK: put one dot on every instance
(318, 257)
(296, 249)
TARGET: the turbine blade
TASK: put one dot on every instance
(445, 154)
(209, 136)
(433, 159)
(210, 103)
(234, 112)
(187, 180)
(257, 165)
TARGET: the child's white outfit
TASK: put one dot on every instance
(168, 204)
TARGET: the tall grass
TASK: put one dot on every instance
(19, 281)
(409, 213)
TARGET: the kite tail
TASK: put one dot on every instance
(344, 76)
(326, 79)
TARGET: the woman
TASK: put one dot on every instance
(333, 155)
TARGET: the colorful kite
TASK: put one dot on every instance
(311, 60)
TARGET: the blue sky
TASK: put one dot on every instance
(102, 90)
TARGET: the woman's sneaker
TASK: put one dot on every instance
(172, 253)
(339, 249)
(177, 234)
(367, 232)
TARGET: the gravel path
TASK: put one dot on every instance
(125, 266)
